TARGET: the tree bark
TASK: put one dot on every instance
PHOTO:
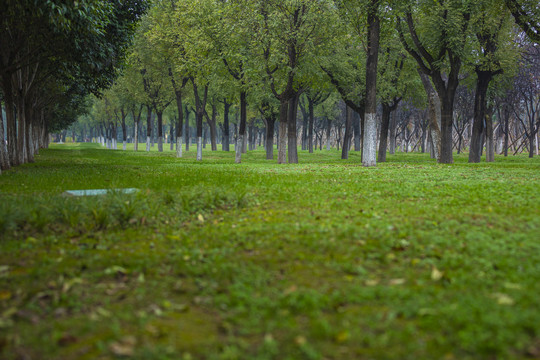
(328, 131)
(369, 150)
(479, 122)
(160, 129)
(269, 143)
(434, 111)
(348, 133)
(282, 150)
(179, 124)
(393, 126)
(242, 128)
(357, 132)
(291, 135)
(490, 145)
(310, 124)
(225, 146)
(187, 128)
(199, 123)
(385, 125)
(212, 123)
(124, 129)
(148, 126)
(4, 155)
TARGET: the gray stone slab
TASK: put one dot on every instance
(95, 192)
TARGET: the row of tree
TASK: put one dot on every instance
(53, 53)
(270, 57)
(408, 127)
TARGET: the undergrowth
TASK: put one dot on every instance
(27, 215)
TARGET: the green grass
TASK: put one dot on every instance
(321, 260)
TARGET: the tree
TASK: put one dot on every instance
(42, 55)
(526, 106)
(290, 36)
(491, 26)
(437, 35)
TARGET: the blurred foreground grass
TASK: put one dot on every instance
(320, 260)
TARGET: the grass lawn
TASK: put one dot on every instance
(321, 260)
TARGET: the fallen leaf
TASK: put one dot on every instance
(300, 340)
(436, 274)
(200, 218)
(124, 347)
(268, 338)
(67, 339)
(371, 282)
(5, 295)
(342, 337)
(503, 299)
(290, 290)
(397, 282)
(4, 270)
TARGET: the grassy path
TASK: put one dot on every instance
(321, 260)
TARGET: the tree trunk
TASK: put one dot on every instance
(328, 130)
(393, 127)
(282, 150)
(269, 144)
(348, 133)
(179, 124)
(21, 130)
(291, 135)
(148, 127)
(212, 124)
(244, 142)
(479, 122)
(310, 125)
(305, 125)
(136, 136)
(369, 148)
(532, 138)
(199, 121)
(11, 125)
(187, 127)
(160, 129)
(385, 124)
(434, 111)
(4, 155)
(490, 145)
(357, 132)
(242, 128)
(446, 131)
(124, 129)
(226, 134)
(171, 135)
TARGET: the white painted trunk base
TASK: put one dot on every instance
(436, 143)
(238, 149)
(244, 144)
(124, 145)
(179, 147)
(199, 148)
(160, 143)
(148, 143)
(282, 151)
(369, 151)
